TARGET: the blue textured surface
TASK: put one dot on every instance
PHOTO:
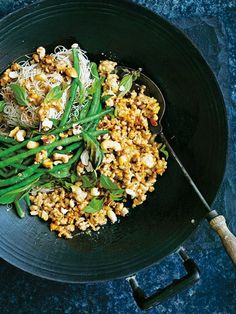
(211, 25)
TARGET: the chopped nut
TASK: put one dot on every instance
(41, 52)
(77, 129)
(72, 203)
(60, 147)
(34, 212)
(63, 135)
(57, 162)
(148, 160)
(48, 139)
(41, 156)
(95, 192)
(111, 144)
(131, 193)
(13, 74)
(15, 67)
(47, 163)
(124, 211)
(32, 145)
(64, 211)
(14, 131)
(123, 160)
(20, 135)
(78, 193)
(62, 157)
(35, 57)
(44, 215)
(71, 72)
(112, 216)
(41, 77)
(47, 124)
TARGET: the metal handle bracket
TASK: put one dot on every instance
(192, 276)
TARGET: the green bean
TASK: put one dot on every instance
(97, 94)
(3, 173)
(6, 152)
(19, 210)
(73, 90)
(21, 184)
(27, 199)
(14, 159)
(69, 148)
(7, 139)
(84, 112)
(20, 177)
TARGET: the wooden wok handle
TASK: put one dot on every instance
(228, 239)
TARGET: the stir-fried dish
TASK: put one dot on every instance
(76, 146)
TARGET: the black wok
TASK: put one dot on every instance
(194, 123)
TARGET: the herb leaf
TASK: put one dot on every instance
(54, 94)
(89, 180)
(95, 153)
(116, 194)
(62, 173)
(67, 185)
(20, 94)
(164, 151)
(94, 206)
(74, 177)
(127, 82)
(2, 105)
(107, 184)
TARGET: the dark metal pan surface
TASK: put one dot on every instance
(194, 122)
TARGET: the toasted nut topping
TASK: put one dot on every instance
(131, 193)
(14, 131)
(111, 144)
(41, 77)
(95, 192)
(47, 124)
(78, 193)
(49, 59)
(77, 129)
(71, 72)
(112, 216)
(35, 57)
(13, 74)
(32, 144)
(48, 163)
(44, 215)
(41, 52)
(62, 157)
(15, 67)
(41, 156)
(20, 135)
(48, 139)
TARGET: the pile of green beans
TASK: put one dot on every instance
(18, 172)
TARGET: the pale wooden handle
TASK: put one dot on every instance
(228, 239)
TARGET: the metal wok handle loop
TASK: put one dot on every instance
(192, 276)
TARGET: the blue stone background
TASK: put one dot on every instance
(211, 24)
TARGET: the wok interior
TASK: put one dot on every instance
(194, 123)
